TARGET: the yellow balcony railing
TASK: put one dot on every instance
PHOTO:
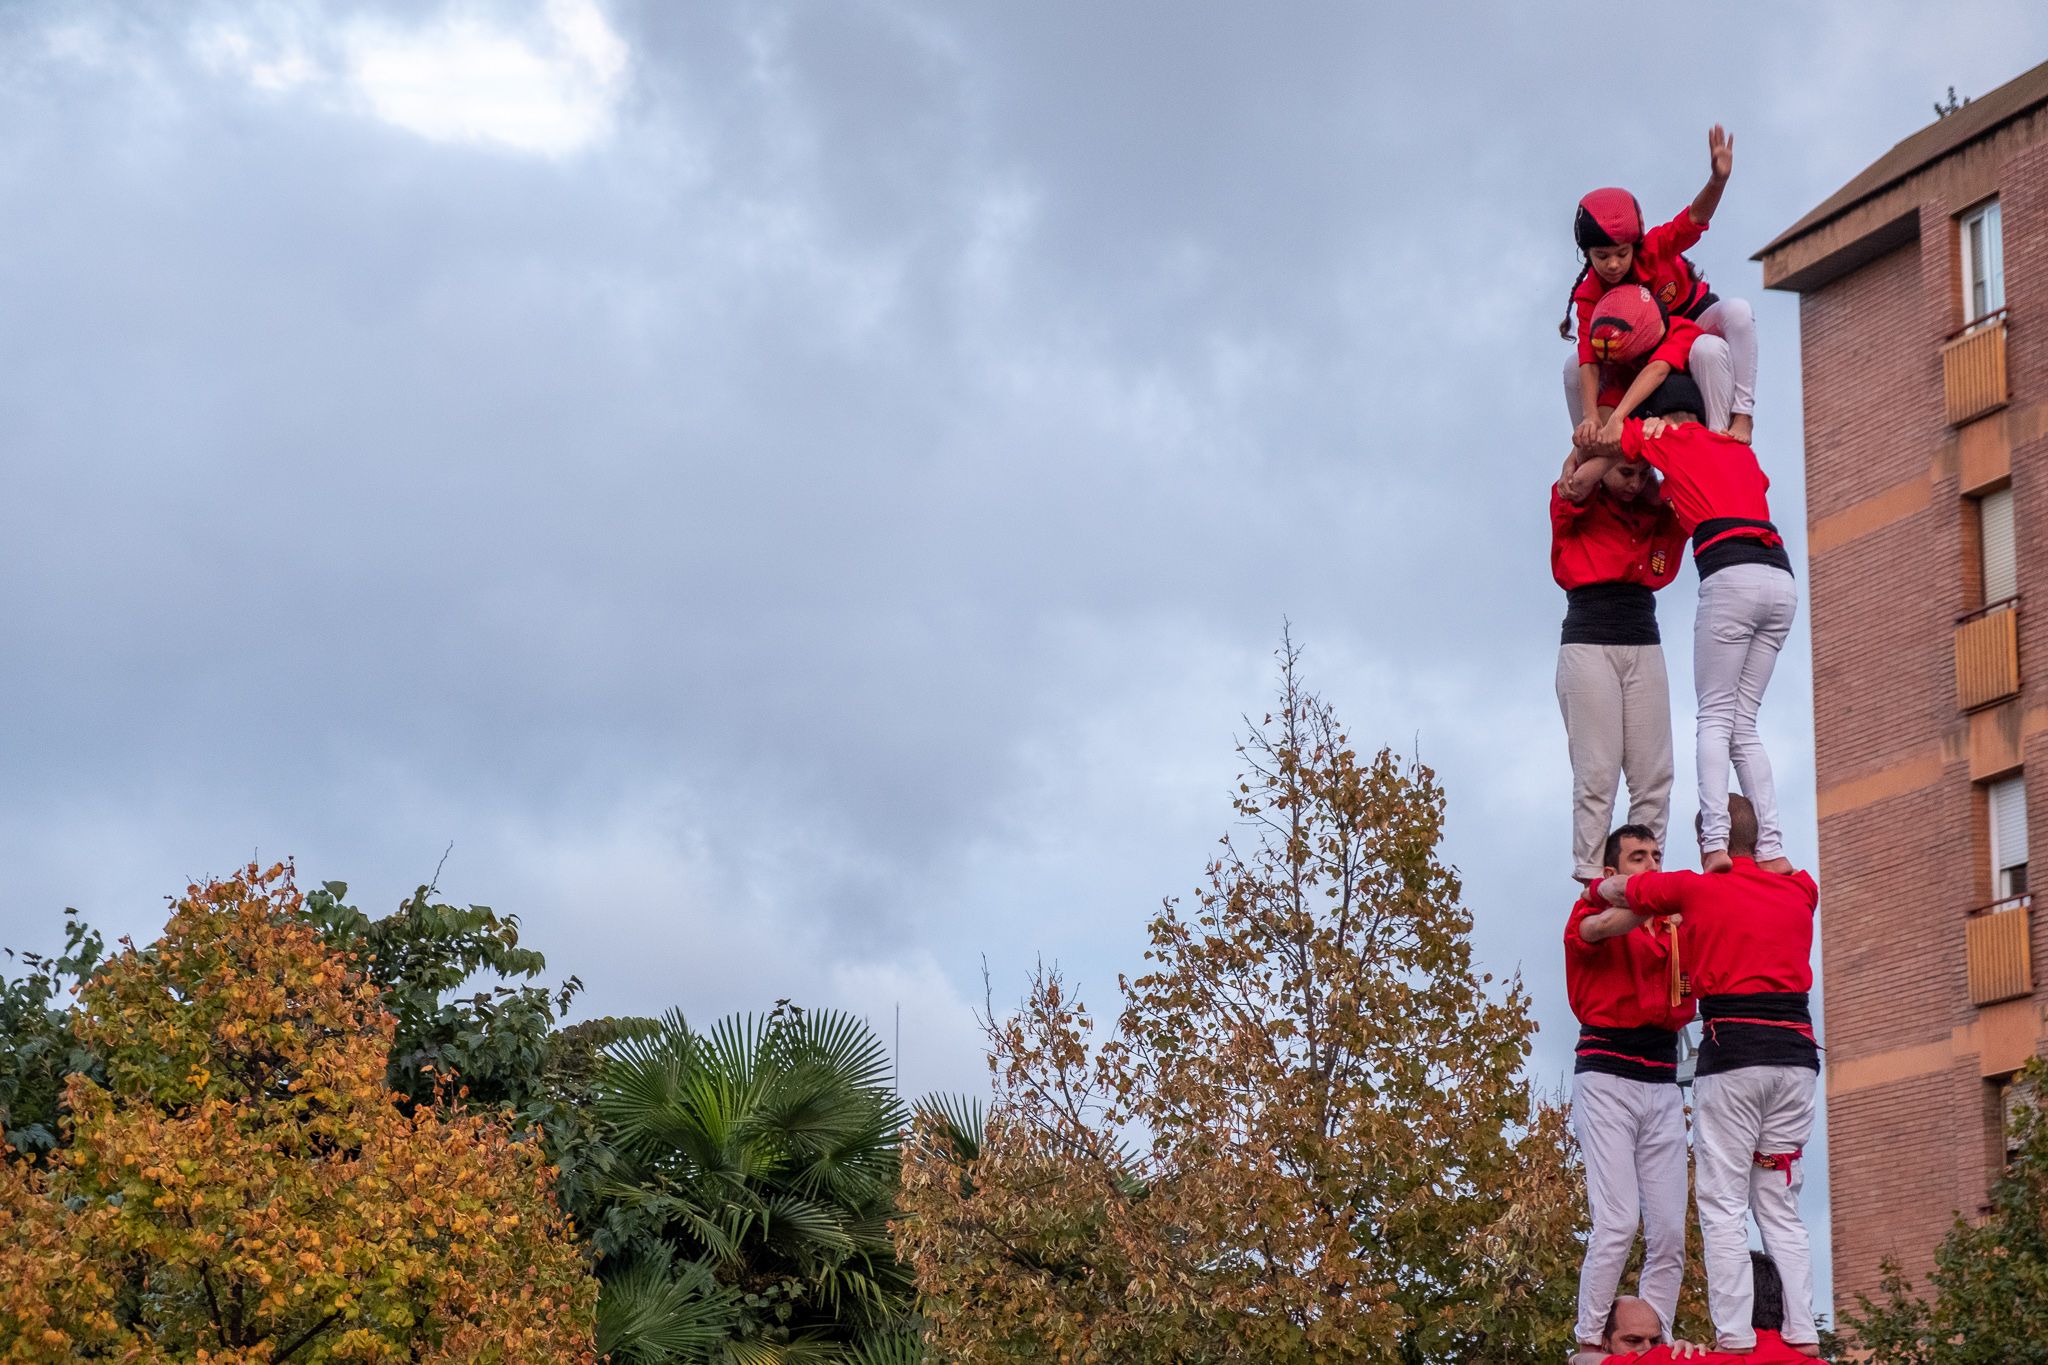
(2000, 947)
(1973, 376)
(1988, 655)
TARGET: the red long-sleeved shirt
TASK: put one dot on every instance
(1745, 932)
(1707, 475)
(1620, 982)
(1746, 946)
(1604, 540)
(1659, 266)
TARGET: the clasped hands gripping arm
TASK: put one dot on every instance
(1591, 459)
(1617, 919)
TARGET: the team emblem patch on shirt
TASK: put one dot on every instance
(1668, 293)
(1657, 562)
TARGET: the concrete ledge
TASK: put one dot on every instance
(2001, 1038)
(1873, 513)
(1922, 769)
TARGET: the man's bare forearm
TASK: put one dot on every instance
(1609, 923)
(1582, 474)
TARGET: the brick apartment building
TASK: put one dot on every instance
(1923, 312)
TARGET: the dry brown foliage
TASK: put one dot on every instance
(1304, 1139)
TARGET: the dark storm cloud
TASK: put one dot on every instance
(801, 494)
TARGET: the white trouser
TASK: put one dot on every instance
(1713, 369)
(1632, 1135)
(1616, 702)
(1737, 1115)
(1745, 612)
(1733, 321)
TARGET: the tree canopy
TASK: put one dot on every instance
(746, 1176)
(1989, 1299)
(1305, 1138)
(241, 1184)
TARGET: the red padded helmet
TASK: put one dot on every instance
(1628, 322)
(1608, 217)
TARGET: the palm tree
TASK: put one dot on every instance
(745, 1179)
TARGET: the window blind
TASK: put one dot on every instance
(1995, 525)
(2008, 829)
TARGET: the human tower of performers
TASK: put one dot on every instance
(1661, 392)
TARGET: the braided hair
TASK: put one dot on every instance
(1564, 329)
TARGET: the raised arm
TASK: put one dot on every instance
(1720, 161)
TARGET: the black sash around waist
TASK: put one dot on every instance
(1638, 1054)
(1610, 614)
(1721, 541)
(1767, 1028)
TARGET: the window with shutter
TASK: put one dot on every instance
(2008, 837)
(1995, 528)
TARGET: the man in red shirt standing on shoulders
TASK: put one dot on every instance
(1613, 543)
(1746, 940)
(1626, 1109)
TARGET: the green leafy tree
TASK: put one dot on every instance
(472, 1024)
(796, 1263)
(1990, 1279)
(497, 1039)
(746, 1177)
(39, 1048)
(1305, 1139)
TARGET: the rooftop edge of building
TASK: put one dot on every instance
(1877, 211)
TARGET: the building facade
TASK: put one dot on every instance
(1923, 289)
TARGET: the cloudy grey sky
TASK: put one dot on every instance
(800, 495)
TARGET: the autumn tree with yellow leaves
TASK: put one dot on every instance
(240, 1185)
(1305, 1138)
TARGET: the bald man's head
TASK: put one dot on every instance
(1633, 1326)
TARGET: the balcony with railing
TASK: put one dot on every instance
(1999, 946)
(1988, 654)
(1973, 373)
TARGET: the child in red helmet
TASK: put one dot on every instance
(1636, 346)
(1609, 230)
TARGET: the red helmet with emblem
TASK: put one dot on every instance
(1608, 217)
(1628, 322)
